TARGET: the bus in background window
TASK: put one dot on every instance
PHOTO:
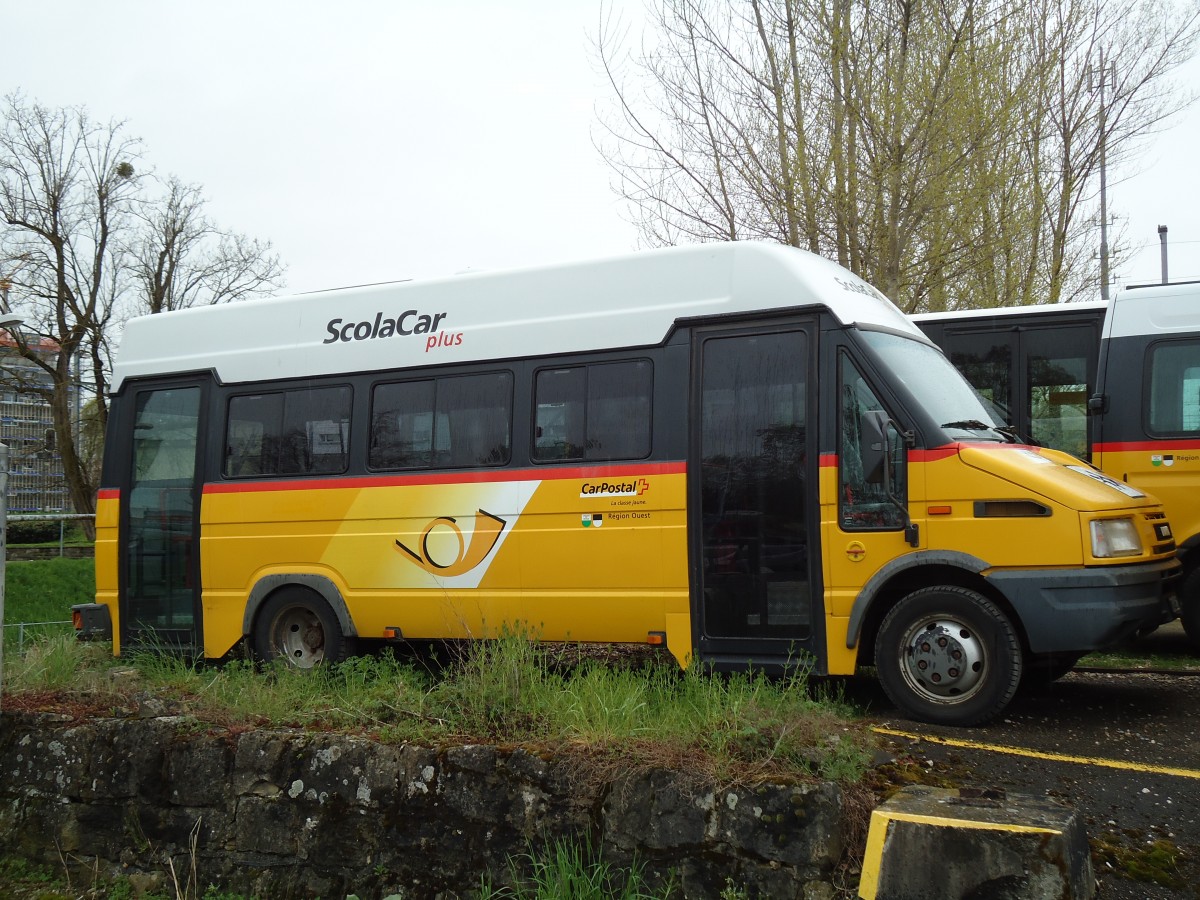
(1036, 366)
(740, 452)
(1117, 384)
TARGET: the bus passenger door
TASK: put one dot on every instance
(752, 502)
(160, 566)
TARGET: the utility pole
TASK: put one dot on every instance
(1105, 71)
(7, 322)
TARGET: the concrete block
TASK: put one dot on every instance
(929, 843)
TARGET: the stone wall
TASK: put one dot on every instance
(295, 814)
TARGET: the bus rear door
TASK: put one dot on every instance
(159, 568)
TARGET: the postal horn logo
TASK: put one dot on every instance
(445, 562)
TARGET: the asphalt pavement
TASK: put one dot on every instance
(1121, 748)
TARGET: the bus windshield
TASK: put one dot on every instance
(946, 395)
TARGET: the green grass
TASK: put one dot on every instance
(565, 869)
(44, 591)
(23, 880)
(510, 690)
(1133, 658)
(1165, 648)
(561, 870)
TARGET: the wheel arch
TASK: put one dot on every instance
(1190, 545)
(1189, 555)
(322, 585)
(902, 576)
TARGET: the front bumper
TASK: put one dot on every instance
(1081, 610)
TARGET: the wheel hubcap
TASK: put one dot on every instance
(299, 638)
(943, 660)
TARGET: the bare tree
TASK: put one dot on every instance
(83, 244)
(1134, 49)
(183, 259)
(67, 189)
(946, 151)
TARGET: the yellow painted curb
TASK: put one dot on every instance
(1040, 754)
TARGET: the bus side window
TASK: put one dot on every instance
(297, 432)
(249, 422)
(618, 410)
(456, 421)
(863, 500)
(402, 425)
(560, 419)
(595, 412)
(473, 423)
(1174, 406)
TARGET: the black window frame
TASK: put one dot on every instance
(645, 434)
(438, 381)
(346, 421)
(1148, 385)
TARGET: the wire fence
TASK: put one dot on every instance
(61, 518)
(32, 630)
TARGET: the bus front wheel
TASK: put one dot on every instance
(948, 655)
(297, 626)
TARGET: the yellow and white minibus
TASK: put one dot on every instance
(739, 451)
(1117, 384)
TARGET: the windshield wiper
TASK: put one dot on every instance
(1011, 433)
(1006, 434)
(970, 424)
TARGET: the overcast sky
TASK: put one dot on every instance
(373, 140)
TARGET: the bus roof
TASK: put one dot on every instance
(1156, 309)
(626, 301)
(1037, 309)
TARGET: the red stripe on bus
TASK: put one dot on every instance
(914, 456)
(485, 477)
(933, 454)
(1145, 446)
(108, 494)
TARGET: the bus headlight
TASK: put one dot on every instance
(1115, 537)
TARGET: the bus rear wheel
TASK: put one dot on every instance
(948, 655)
(1189, 604)
(297, 626)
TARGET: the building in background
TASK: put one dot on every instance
(35, 471)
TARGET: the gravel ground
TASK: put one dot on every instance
(1143, 822)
